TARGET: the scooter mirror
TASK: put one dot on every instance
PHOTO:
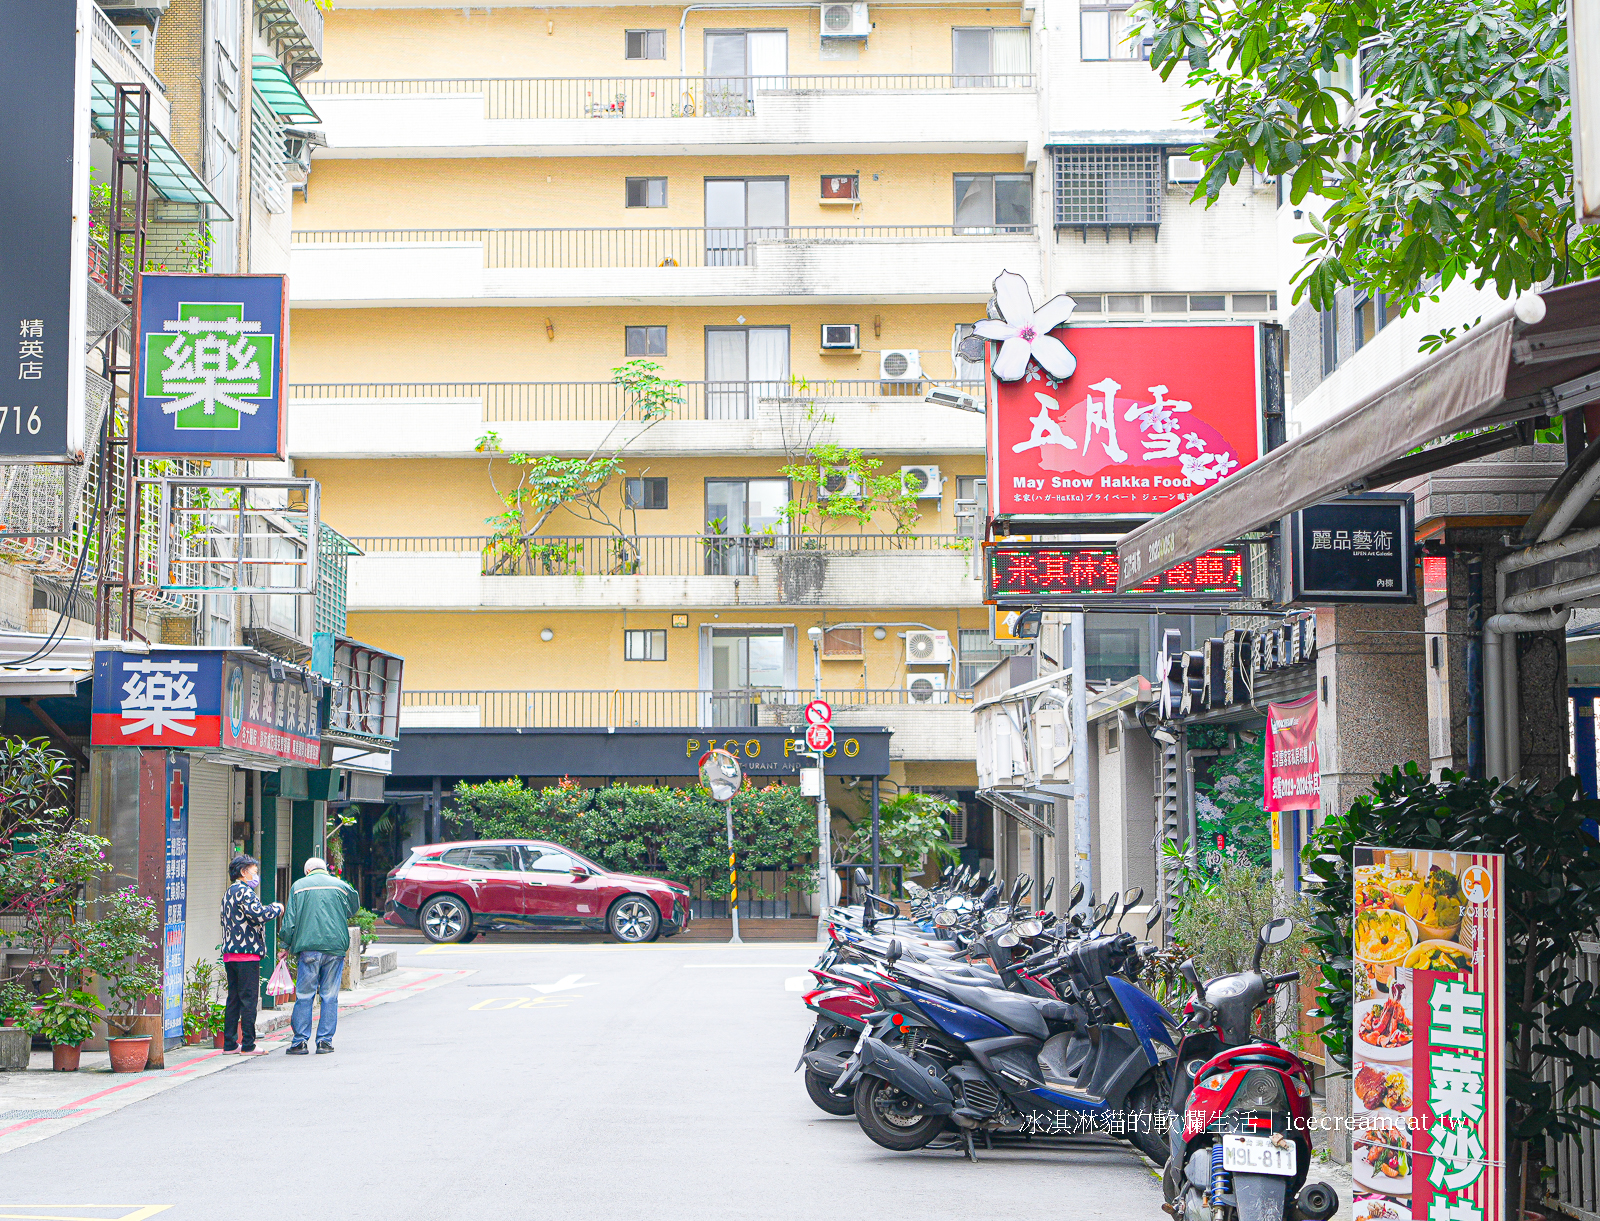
(1186, 969)
(1131, 899)
(1016, 889)
(944, 918)
(1076, 897)
(1100, 913)
(948, 873)
(1049, 889)
(1007, 940)
(861, 877)
(1027, 886)
(894, 951)
(1277, 930)
(1111, 903)
(990, 897)
(1153, 919)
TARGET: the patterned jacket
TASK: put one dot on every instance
(243, 919)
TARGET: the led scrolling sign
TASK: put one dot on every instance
(1042, 573)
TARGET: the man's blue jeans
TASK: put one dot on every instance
(318, 974)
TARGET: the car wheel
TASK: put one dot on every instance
(445, 920)
(634, 919)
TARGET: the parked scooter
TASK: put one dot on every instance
(1240, 1139)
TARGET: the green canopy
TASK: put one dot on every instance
(170, 174)
(286, 100)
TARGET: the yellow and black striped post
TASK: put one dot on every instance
(733, 883)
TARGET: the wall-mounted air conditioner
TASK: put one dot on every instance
(923, 482)
(900, 365)
(925, 648)
(839, 482)
(927, 689)
(845, 336)
(943, 396)
(845, 21)
(1185, 169)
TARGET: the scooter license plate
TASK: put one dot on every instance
(1257, 1155)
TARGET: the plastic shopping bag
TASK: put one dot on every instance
(281, 983)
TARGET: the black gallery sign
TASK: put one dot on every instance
(1354, 549)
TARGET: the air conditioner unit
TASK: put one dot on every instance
(924, 648)
(841, 335)
(1185, 169)
(927, 689)
(839, 482)
(900, 365)
(845, 21)
(923, 482)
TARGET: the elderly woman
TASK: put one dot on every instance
(244, 921)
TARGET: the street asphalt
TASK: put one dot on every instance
(589, 1081)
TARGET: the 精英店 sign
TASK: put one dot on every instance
(1428, 1057)
(188, 699)
(1149, 417)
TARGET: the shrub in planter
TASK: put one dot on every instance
(119, 949)
(65, 1019)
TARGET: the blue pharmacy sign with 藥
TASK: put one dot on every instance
(210, 360)
(175, 894)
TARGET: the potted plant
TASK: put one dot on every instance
(219, 1023)
(119, 950)
(65, 1020)
(199, 997)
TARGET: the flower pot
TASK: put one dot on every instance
(140, 1025)
(129, 1054)
(216, 1040)
(64, 1057)
(194, 1040)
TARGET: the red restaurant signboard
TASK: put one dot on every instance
(1293, 779)
(1150, 416)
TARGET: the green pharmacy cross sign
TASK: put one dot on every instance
(210, 366)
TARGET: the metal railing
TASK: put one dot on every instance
(606, 401)
(744, 708)
(1575, 1185)
(652, 97)
(651, 555)
(623, 247)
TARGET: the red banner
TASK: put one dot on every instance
(1293, 779)
(1150, 416)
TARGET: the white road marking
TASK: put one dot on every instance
(796, 983)
(564, 984)
(729, 966)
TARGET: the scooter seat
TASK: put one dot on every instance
(1024, 1014)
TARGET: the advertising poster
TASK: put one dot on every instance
(1428, 1063)
(1293, 773)
(175, 901)
(1150, 416)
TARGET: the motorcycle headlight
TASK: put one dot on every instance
(996, 918)
(1030, 928)
(1261, 1090)
(944, 917)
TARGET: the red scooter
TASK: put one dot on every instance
(841, 1005)
(1240, 1134)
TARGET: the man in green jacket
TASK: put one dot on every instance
(316, 930)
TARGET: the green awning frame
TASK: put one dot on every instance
(170, 175)
(285, 98)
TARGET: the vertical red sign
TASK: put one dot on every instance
(1293, 779)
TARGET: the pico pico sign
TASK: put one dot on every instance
(1030, 573)
(1150, 416)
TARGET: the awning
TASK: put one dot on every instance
(1502, 370)
(1015, 804)
(285, 98)
(170, 174)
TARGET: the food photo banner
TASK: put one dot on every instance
(1429, 1059)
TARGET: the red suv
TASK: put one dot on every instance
(453, 892)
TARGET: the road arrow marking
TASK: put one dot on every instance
(565, 984)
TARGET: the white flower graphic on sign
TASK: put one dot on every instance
(157, 696)
(1024, 332)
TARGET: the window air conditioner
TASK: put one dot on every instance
(839, 482)
(1185, 169)
(927, 689)
(923, 482)
(925, 648)
(841, 335)
(845, 21)
(900, 365)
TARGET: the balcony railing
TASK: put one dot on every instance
(606, 401)
(744, 708)
(651, 97)
(685, 247)
(651, 555)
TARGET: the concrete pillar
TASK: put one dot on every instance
(1452, 590)
(1372, 701)
(1542, 719)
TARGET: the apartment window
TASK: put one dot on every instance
(994, 203)
(1208, 303)
(991, 58)
(1372, 315)
(977, 653)
(1111, 33)
(1169, 303)
(644, 646)
(1088, 305)
(646, 340)
(646, 44)
(647, 192)
(1328, 320)
(1108, 186)
(1125, 303)
(1254, 303)
(644, 493)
